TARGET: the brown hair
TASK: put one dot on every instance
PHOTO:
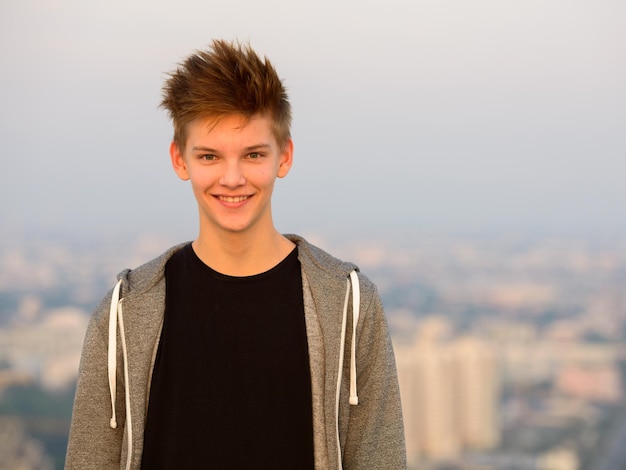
(227, 78)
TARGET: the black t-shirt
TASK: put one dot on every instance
(231, 387)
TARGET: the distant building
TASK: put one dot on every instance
(558, 459)
(596, 382)
(46, 348)
(477, 381)
(450, 396)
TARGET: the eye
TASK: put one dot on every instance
(254, 155)
(207, 157)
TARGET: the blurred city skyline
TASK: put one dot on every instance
(408, 115)
(510, 351)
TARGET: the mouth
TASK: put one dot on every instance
(232, 199)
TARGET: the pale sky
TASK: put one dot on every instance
(453, 115)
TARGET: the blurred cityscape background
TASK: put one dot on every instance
(469, 156)
(510, 350)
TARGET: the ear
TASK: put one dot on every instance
(286, 159)
(178, 162)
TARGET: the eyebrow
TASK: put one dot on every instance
(258, 147)
(251, 148)
(195, 148)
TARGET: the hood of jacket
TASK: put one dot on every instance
(147, 276)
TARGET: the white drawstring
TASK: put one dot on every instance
(112, 359)
(354, 399)
(356, 301)
(115, 311)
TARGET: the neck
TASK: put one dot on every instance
(242, 254)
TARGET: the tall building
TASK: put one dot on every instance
(450, 394)
(436, 396)
(477, 393)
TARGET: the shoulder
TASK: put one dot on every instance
(146, 276)
(321, 266)
(314, 258)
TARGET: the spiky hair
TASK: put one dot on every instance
(226, 78)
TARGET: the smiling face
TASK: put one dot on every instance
(232, 164)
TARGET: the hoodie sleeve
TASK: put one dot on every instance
(93, 444)
(375, 435)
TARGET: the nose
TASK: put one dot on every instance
(232, 175)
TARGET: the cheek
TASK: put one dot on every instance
(200, 184)
(261, 176)
(200, 177)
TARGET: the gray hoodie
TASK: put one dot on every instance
(357, 418)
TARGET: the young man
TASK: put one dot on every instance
(244, 349)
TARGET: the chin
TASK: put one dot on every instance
(235, 228)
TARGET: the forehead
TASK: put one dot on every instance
(229, 127)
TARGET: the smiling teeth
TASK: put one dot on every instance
(233, 198)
